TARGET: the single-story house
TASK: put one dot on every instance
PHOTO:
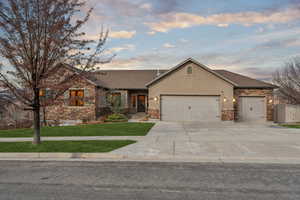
(189, 91)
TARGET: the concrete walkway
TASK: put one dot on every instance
(73, 138)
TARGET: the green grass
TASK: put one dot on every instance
(291, 126)
(112, 129)
(65, 146)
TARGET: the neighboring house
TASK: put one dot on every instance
(188, 92)
(12, 113)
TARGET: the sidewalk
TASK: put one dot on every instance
(73, 138)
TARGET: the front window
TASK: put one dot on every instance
(114, 99)
(76, 98)
(42, 93)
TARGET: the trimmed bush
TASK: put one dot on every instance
(116, 118)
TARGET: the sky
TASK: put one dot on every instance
(253, 38)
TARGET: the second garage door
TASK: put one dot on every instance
(252, 109)
(190, 108)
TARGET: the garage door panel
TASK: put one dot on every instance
(169, 112)
(190, 108)
(252, 109)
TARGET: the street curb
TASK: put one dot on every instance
(109, 157)
(60, 155)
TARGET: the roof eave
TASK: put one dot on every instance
(256, 87)
(128, 88)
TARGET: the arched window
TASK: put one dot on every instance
(189, 70)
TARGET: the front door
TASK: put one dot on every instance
(141, 106)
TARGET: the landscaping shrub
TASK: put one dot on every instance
(116, 118)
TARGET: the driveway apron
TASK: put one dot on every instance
(216, 140)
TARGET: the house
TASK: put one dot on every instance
(12, 114)
(189, 91)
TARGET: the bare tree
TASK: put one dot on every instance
(288, 80)
(37, 39)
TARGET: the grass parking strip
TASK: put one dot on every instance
(111, 129)
(291, 126)
(99, 146)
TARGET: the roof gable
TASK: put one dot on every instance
(182, 64)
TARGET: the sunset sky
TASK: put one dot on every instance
(250, 37)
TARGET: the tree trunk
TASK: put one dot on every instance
(44, 116)
(36, 114)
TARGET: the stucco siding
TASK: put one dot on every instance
(199, 82)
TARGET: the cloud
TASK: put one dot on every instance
(127, 47)
(173, 20)
(122, 34)
(145, 61)
(279, 43)
(168, 45)
(113, 34)
(223, 25)
(136, 62)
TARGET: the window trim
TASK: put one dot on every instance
(189, 70)
(78, 100)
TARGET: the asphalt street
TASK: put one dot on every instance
(24, 180)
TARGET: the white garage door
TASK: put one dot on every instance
(190, 108)
(252, 109)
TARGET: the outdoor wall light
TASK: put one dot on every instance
(233, 100)
(271, 101)
(155, 98)
(225, 100)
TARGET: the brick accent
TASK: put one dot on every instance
(227, 115)
(154, 113)
(267, 93)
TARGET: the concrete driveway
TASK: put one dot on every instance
(217, 141)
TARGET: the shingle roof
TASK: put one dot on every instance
(244, 81)
(137, 79)
(140, 79)
(125, 79)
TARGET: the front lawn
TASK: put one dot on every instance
(112, 129)
(291, 126)
(65, 146)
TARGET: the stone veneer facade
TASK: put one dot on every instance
(62, 111)
(267, 93)
(227, 115)
(153, 113)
